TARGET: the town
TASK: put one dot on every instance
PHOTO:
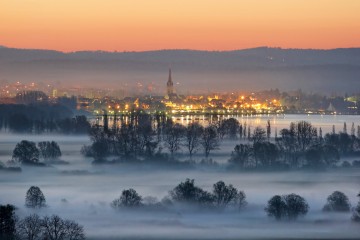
(91, 101)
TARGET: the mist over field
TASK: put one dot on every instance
(180, 120)
(83, 192)
(324, 71)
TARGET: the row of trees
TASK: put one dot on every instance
(139, 138)
(54, 228)
(189, 195)
(285, 207)
(186, 194)
(222, 196)
(300, 146)
(297, 147)
(21, 123)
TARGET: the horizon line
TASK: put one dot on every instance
(176, 49)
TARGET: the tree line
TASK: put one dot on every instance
(300, 146)
(145, 137)
(159, 140)
(287, 207)
(186, 194)
(40, 118)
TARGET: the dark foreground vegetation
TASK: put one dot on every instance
(33, 227)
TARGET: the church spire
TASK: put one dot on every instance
(170, 85)
(170, 80)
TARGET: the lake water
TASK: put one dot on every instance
(280, 121)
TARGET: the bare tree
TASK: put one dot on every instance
(192, 140)
(306, 134)
(209, 140)
(258, 135)
(224, 194)
(287, 144)
(73, 230)
(30, 228)
(53, 228)
(173, 136)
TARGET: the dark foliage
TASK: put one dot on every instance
(129, 199)
(49, 150)
(288, 207)
(265, 153)
(356, 212)
(35, 198)
(32, 118)
(222, 195)
(7, 222)
(240, 157)
(187, 193)
(337, 202)
(26, 152)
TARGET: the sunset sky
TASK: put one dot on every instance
(137, 25)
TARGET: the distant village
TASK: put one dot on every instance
(121, 101)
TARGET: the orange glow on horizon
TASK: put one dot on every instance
(128, 25)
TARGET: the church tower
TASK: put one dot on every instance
(170, 85)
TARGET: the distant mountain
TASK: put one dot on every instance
(336, 70)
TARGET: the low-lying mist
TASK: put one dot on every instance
(83, 192)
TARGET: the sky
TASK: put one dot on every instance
(139, 25)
